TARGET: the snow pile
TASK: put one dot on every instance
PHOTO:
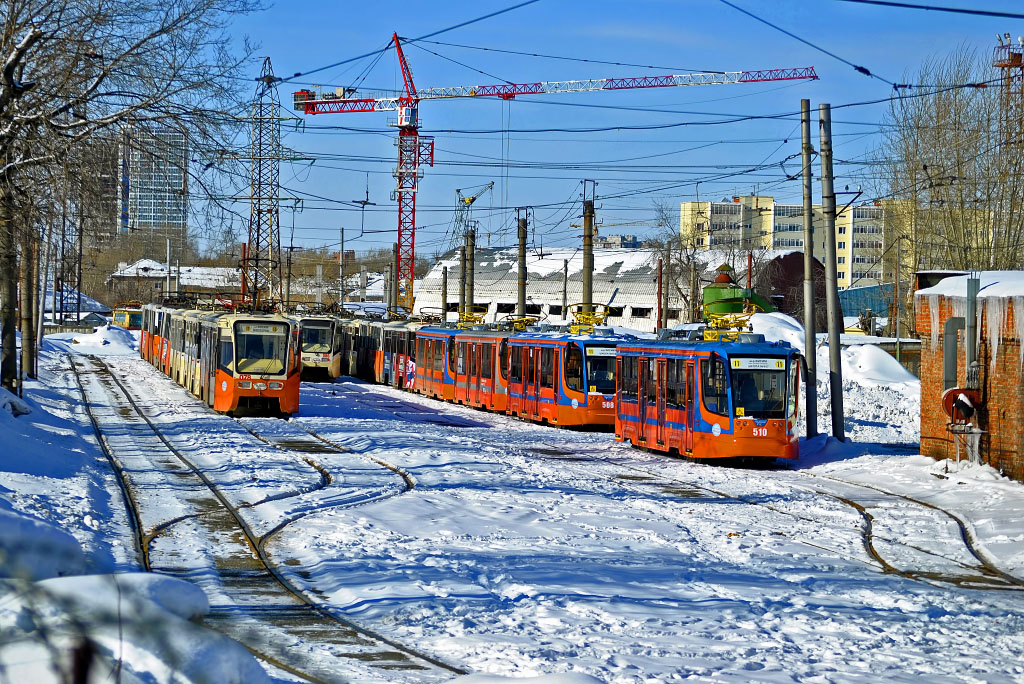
(107, 340)
(779, 327)
(138, 624)
(882, 400)
(867, 364)
(13, 405)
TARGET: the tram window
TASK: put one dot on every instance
(502, 358)
(516, 365)
(227, 356)
(260, 352)
(652, 381)
(574, 367)
(451, 354)
(627, 383)
(601, 374)
(671, 383)
(438, 354)
(715, 389)
(316, 339)
(793, 388)
(462, 358)
(759, 393)
(547, 368)
(487, 351)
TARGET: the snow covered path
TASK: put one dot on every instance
(192, 487)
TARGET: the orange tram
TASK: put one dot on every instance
(233, 361)
(733, 395)
(710, 399)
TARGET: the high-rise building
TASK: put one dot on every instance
(758, 222)
(153, 192)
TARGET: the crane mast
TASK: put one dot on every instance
(415, 150)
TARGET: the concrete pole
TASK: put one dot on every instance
(828, 203)
(565, 290)
(588, 255)
(444, 294)
(810, 334)
(470, 265)
(661, 312)
(971, 331)
(522, 267)
(395, 270)
(168, 284)
(462, 280)
(341, 265)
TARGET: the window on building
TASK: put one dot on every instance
(841, 245)
(841, 260)
(641, 312)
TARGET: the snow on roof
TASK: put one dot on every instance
(210, 277)
(67, 301)
(993, 284)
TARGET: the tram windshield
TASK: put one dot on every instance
(262, 348)
(758, 387)
(601, 369)
(316, 339)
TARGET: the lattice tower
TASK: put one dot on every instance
(262, 266)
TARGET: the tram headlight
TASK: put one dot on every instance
(276, 385)
(259, 385)
(244, 384)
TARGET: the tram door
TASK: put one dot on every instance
(473, 373)
(486, 373)
(530, 380)
(688, 438)
(662, 389)
(641, 399)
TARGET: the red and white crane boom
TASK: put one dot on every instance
(414, 150)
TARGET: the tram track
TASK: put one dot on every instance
(253, 600)
(978, 572)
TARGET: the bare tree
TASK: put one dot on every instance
(72, 69)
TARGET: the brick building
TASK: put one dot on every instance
(1000, 319)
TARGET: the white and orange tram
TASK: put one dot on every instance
(233, 361)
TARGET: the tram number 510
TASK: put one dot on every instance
(761, 432)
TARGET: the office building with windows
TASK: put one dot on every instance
(756, 222)
(153, 193)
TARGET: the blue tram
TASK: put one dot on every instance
(715, 399)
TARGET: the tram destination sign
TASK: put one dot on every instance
(600, 351)
(758, 364)
(265, 328)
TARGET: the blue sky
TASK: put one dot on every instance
(634, 164)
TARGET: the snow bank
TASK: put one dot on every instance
(779, 327)
(107, 340)
(136, 622)
(13, 405)
(867, 364)
(32, 549)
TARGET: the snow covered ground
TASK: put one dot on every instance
(523, 550)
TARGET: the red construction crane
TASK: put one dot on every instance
(414, 149)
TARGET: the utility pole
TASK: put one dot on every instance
(168, 284)
(661, 312)
(522, 267)
(588, 246)
(810, 334)
(828, 202)
(394, 283)
(896, 294)
(341, 266)
(462, 280)
(565, 290)
(470, 265)
(444, 294)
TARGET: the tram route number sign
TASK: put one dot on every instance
(758, 364)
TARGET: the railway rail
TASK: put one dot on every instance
(252, 600)
(882, 513)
